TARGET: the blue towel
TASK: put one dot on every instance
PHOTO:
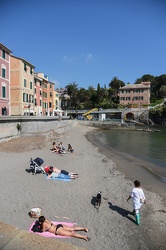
(61, 177)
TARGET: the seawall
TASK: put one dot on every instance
(12, 127)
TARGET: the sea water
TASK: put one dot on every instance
(147, 146)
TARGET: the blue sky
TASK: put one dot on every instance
(87, 41)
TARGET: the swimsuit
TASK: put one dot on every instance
(58, 226)
(49, 227)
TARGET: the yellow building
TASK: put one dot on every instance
(21, 86)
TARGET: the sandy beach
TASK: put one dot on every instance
(112, 227)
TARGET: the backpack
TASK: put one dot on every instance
(36, 227)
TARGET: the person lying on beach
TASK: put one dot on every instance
(61, 229)
(52, 174)
(58, 171)
(70, 149)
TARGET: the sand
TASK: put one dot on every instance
(112, 227)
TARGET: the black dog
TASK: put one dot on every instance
(98, 199)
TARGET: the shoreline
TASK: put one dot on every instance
(112, 227)
(125, 162)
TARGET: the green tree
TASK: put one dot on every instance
(116, 83)
(162, 91)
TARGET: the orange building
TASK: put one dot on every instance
(135, 95)
(47, 94)
(22, 86)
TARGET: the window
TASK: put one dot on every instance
(35, 90)
(31, 71)
(25, 67)
(127, 90)
(50, 94)
(31, 98)
(3, 73)
(25, 83)
(128, 98)
(44, 94)
(40, 102)
(3, 92)
(50, 105)
(3, 54)
(30, 85)
(25, 97)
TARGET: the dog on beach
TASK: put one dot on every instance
(98, 199)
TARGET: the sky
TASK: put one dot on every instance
(87, 41)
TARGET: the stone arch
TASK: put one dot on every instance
(129, 116)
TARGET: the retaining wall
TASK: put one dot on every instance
(9, 126)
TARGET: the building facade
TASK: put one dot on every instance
(47, 94)
(4, 80)
(22, 86)
(38, 101)
(135, 95)
(56, 100)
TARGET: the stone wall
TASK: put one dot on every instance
(11, 127)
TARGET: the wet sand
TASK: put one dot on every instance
(132, 168)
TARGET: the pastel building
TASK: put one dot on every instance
(135, 95)
(22, 86)
(56, 100)
(47, 94)
(38, 93)
(4, 80)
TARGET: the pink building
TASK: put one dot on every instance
(135, 95)
(4, 80)
(38, 93)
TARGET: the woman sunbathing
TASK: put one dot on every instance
(48, 169)
(61, 229)
(52, 174)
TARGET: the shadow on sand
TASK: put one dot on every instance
(123, 212)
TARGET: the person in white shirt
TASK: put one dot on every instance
(138, 198)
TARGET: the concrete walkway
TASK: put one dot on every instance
(12, 238)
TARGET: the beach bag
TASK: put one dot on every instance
(36, 212)
(36, 227)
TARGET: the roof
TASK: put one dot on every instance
(22, 59)
(6, 48)
(142, 85)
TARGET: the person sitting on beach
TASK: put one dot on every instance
(52, 174)
(58, 171)
(138, 198)
(61, 148)
(54, 148)
(61, 229)
(70, 149)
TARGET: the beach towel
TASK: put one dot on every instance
(61, 178)
(50, 235)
